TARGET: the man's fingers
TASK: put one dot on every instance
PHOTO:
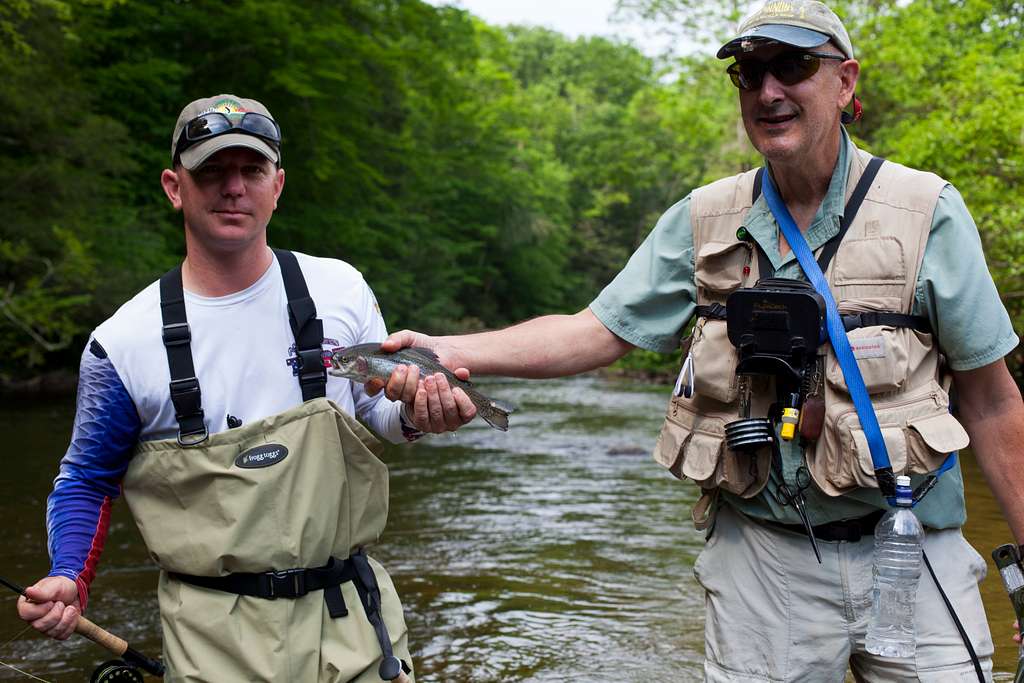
(49, 621)
(66, 626)
(403, 383)
(449, 409)
(398, 340)
(435, 409)
(466, 408)
(420, 416)
(462, 373)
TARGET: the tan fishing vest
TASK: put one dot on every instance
(291, 490)
(874, 269)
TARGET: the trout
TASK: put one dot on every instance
(363, 362)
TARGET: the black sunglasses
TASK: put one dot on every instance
(216, 123)
(789, 68)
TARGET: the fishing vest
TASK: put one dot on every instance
(872, 275)
(259, 530)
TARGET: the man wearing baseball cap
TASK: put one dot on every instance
(796, 445)
(205, 400)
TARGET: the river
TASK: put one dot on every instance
(557, 551)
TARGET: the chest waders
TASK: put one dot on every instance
(259, 530)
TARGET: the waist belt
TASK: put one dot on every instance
(851, 530)
(295, 583)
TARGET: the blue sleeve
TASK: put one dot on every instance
(103, 438)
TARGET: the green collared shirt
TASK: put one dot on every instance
(650, 302)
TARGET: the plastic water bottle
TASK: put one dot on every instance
(897, 569)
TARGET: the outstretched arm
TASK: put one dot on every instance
(991, 410)
(550, 346)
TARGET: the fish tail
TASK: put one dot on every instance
(495, 413)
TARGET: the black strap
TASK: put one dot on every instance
(874, 318)
(714, 311)
(289, 583)
(852, 207)
(765, 269)
(307, 328)
(830, 248)
(295, 583)
(956, 620)
(177, 337)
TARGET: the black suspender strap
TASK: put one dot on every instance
(307, 328)
(177, 336)
(852, 207)
(764, 265)
(185, 394)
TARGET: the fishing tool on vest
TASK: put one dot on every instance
(777, 327)
(1008, 559)
(116, 646)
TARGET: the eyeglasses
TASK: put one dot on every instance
(789, 68)
(217, 123)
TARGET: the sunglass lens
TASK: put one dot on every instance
(792, 68)
(205, 126)
(258, 124)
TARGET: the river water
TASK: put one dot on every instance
(558, 551)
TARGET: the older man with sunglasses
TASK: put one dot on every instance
(205, 401)
(792, 489)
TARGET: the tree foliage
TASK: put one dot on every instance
(476, 175)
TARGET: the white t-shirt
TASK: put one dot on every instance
(241, 345)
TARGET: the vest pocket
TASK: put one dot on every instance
(918, 430)
(714, 361)
(883, 356)
(719, 266)
(692, 446)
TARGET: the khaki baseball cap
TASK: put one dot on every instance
(234, 108)
(800, 23)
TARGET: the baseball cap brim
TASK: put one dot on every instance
(795, 36)
(195, 155)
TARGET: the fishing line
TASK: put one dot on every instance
(11, 666)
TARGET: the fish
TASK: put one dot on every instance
(363, 362)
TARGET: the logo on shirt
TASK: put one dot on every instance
(325, 355)
(262, 456)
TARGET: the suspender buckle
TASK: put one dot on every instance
(311, 369)
(177, 334)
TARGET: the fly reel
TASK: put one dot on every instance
(116, 671)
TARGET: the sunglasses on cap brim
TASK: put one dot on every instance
(212, 124)
(788, 68)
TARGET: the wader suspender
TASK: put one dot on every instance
(185, 393)
(307, 328)
(312, 376)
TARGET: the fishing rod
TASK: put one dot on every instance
(1008, 559)
(115, 645)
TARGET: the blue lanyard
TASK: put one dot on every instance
(837, 335)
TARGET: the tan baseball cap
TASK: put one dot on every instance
(800, 23)
(234, 108)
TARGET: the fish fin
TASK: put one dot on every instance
(423, 352)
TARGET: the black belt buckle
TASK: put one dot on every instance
(289, 583)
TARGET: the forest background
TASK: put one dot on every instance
(477, 175)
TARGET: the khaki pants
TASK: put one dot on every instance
(774, 614)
